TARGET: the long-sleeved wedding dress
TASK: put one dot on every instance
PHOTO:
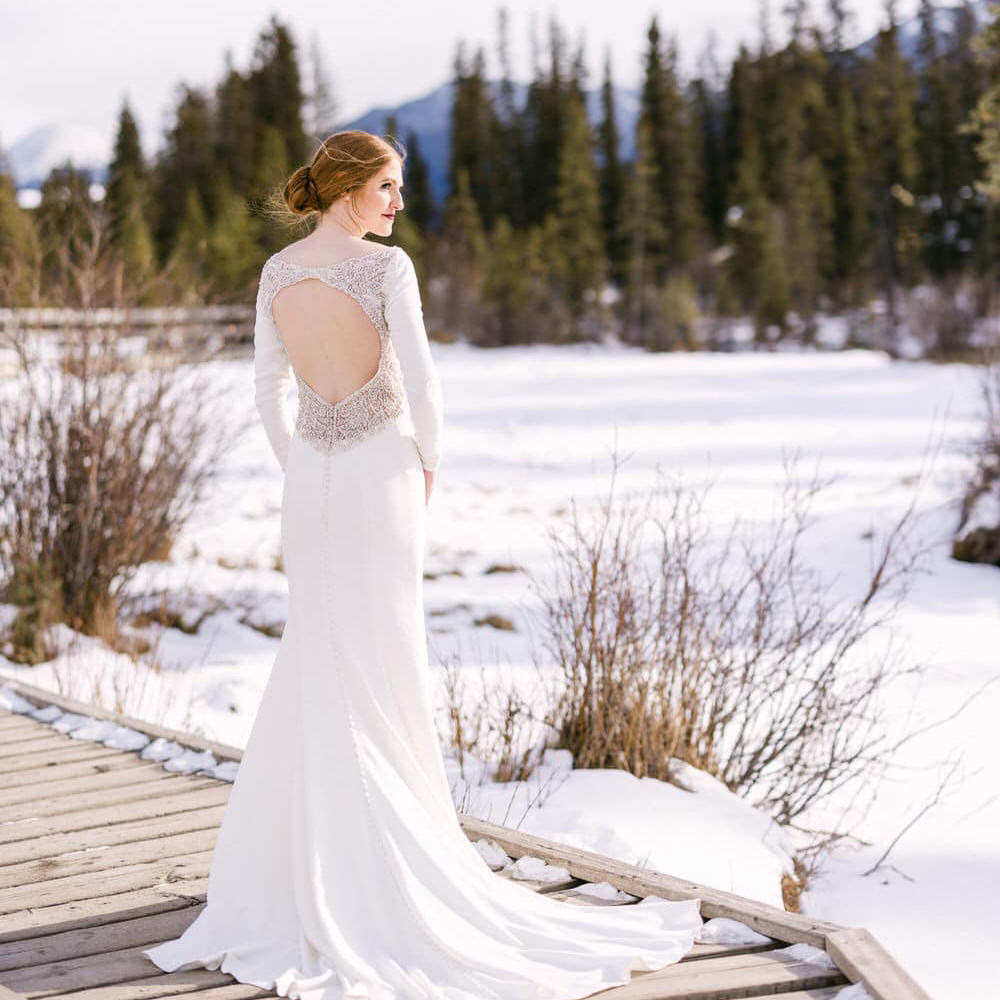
(340, 869)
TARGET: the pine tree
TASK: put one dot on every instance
(417, 195)
(850, 226)
(936, 115)
(674, 171)
(709, 115)
(232, 246)
(472, 135)
(463, 252)
(188, 263)
(890, 155)
(187, 163)
(578, 212)
(509, 142)
(276, 85)
(235, 129)
(126, 165)
(611, 180)
(545, 122)
(642, 225)
(19, 248)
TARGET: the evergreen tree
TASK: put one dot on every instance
(235, 129)
(804, 195)
(188, 262)
(936, 115)
(463, 252)
(611, 181)
(472, 135)
(709, 116)
(578, 213)
(662, 107)
(517, 292)
(850, 226)
(973, 60)
(126, 164)
(65, 235)
(135, 242)
(276, 86)
(545, 118)
(186, 163)
(509, 144)
(19, 248)
(642, 225)
(417, 196)
(888, 89)
(231, 246)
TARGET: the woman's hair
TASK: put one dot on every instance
(343, 162)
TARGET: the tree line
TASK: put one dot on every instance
(802, 179)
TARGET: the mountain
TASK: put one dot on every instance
(32, 158)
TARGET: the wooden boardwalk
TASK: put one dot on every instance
(104, 853)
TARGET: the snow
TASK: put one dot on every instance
(527, 430)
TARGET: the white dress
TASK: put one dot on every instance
(340, 868)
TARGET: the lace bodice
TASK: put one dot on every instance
(404, 389)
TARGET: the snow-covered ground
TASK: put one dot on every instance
(527, 429)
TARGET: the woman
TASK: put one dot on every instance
(340, 868)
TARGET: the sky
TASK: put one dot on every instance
(75, 62)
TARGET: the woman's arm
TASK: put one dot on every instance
(272, 376)
(405, 318)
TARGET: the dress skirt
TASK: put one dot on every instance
(340, 868)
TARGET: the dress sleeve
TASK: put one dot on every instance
(272, 377)
(405, 319)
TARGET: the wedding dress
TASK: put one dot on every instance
(340, 869)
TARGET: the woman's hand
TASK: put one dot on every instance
(428, 485)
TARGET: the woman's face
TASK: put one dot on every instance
(379, 199)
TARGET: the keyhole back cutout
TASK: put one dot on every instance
(332, 344)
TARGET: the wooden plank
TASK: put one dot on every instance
(16, 721)
(148, 772)
(34, 742)
(90, 914)
(537, 885)
(88, 819)
(81, 862)
(10, 740)
(725, 978)
(112, 936)
(195, 983)
(59, 772)
(862, 958)
(117, 833)
(98, 796)
(91, 885)
(141, 985)
(51, 756)
(592, 867)
(39, 696)
(148, 988)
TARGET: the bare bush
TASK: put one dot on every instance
(730, 655)
(102, 456)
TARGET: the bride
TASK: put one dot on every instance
(340, 869)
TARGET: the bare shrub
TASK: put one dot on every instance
(102, 456)
(497, 727)
(729, 655)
